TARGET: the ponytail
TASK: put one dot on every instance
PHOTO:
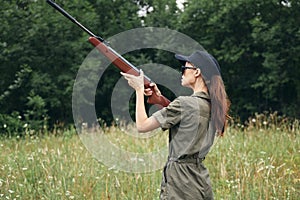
(219, 104)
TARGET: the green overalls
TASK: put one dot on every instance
(184, 175)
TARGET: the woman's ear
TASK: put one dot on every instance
(197, 72)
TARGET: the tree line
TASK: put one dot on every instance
(257, 44)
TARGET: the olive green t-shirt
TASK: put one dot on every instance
(187, 118)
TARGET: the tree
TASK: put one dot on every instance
(41, 58)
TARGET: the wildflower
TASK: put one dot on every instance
(4, 126)
(270, 167)
(265, 123)
(25, 125)
(30, 157)
(11, 191)
(19, 117)
(253, 120)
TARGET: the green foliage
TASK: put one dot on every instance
(34, 120)
(12, 124)
(256, 42)
(35, 53)
(160, 13)
(36, 114)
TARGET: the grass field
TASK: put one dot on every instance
(261, 161)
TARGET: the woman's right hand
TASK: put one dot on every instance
(149, 91)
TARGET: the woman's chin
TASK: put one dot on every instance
(183, 84)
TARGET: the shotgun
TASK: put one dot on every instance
(119, 61)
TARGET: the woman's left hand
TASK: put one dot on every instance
(136, 82)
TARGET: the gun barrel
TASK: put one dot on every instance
(70, 17)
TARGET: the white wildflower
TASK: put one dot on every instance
(68, 193)
(270, 167)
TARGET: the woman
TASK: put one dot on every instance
(193, 121)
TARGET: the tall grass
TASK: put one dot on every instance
(261, 161)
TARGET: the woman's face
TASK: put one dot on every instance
(188, 77)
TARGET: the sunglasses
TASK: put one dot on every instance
(183, 68)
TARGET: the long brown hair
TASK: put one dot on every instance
(219, 104)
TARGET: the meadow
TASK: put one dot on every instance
(256, 161)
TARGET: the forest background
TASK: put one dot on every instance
(257, 44)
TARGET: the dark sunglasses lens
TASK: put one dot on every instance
(182, 69)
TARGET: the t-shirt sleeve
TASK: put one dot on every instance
(170, 115)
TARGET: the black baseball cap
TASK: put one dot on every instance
(202, 60)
